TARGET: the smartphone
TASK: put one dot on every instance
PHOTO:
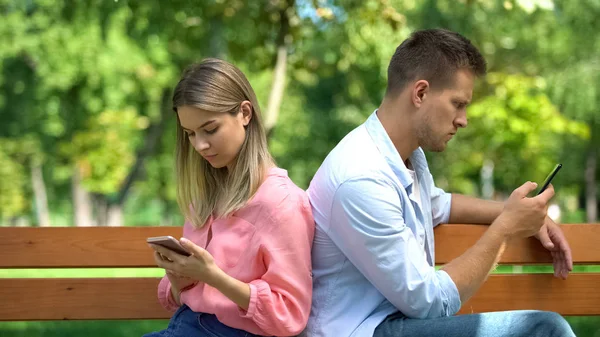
(549, 178)
(169, 242)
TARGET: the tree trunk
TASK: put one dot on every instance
(279, 73)
(82, 207)
(114, 216)
(101, 209)
(217, 45)
(19, 221)
(277, 89)
(487, 179)
(39, 192)
(591, 201)
(166, 218)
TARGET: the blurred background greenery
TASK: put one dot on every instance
(87, 133)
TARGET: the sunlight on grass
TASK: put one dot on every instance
(541, 269)
(81, 328)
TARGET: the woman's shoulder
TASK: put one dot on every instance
(278, 196)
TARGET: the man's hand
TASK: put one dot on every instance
(522, 216)
(553, 239)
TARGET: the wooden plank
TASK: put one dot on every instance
(453, 240)
(21, 247)
(56, 247)
(135, 298)
(79, 299)
(578, 295)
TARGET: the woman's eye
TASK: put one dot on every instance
(189, 134)
(210, 132)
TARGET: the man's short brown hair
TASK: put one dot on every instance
(433, 55)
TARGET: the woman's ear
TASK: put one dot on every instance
(246, 111)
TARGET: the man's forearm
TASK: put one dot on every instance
(471, 269)
(469, 210)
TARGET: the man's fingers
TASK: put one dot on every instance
(545, 238)
(565, 268)
(566, 250)
(563, 247)
(525, 189)
(555, 263)
(546, 195)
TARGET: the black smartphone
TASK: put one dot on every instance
(549, 178)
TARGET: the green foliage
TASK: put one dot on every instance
(84, 81)
(516, 127)
(106, 149)
(13, 198)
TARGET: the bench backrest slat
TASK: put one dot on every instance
(73, 247)
(21, 247)
(135, 298)
(453, 240)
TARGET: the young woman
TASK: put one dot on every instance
(248, 227)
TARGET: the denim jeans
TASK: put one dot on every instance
(186, 323)
(520, 323)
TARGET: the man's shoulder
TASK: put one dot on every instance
(356, 160)
(355, 156)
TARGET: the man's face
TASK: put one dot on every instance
(443, 111)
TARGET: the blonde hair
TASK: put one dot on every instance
(217, 86)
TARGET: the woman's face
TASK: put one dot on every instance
(217, 137)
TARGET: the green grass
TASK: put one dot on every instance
(81, 328)
(582, 326)
(542, 269)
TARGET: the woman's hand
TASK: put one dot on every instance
(185, 270)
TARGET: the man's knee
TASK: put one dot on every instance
(552, 323)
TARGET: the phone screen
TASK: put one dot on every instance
(549, 178)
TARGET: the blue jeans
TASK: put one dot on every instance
(520, 323)
(186, 323)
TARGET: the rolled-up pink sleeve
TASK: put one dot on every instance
(165, 298)
(280, 300)
(164, 287)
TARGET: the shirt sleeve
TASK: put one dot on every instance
(165, 298)
(367, 225)
(280, 300)
(441, 202)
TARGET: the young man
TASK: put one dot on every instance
(375, 205)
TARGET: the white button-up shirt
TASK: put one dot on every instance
(373, 252)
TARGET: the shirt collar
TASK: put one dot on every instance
(391, 155)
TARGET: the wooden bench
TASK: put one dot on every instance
(135, 298)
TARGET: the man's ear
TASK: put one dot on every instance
(420, 91)
(246, 111)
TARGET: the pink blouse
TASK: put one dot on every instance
(266, 244)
